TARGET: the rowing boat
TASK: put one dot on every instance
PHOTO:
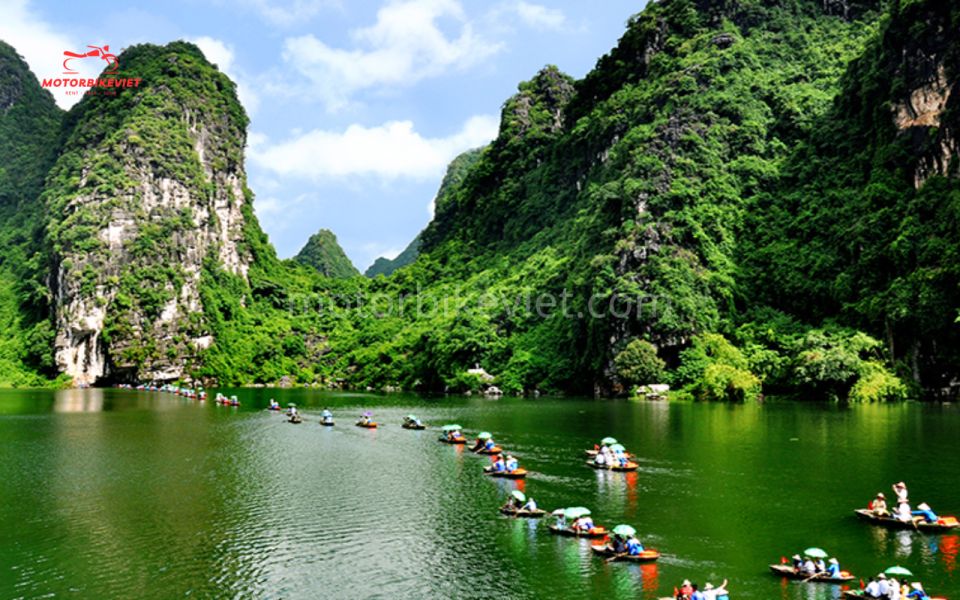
(596, 532)
(370, 425)
(643, 557)
(327, 423)
(492, 451)
(630, 466)
(456, 441)
(943, 524)
(788, 572)
(295, 419)
(523, 514)
(593, 453)
(515, 474)
(859, 594)
(413, 426)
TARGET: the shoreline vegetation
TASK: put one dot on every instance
(760, 197)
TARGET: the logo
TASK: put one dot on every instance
(107, 84)
(97, 52)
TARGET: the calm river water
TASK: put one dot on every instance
(109, 494)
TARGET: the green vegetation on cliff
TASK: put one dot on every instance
(386, 266)
(323, 253)
(29, 132)
(744, 197)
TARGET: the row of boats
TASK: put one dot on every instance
(620, 543)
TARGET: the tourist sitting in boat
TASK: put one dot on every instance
(274, 405)
(903, 512)
(619, 544)
(531, 505)
(716, 593)
(489, 445)
(454, 434)
(833, 570)
(292, 411)
(797, 563)
(926, 515)
(685, 591)
(879, 506)
(872, 589)
(809, 567)
(498, 465)
(634, 547)
(883, 586)
(326, 415)
(364, 419)
(584, 523)
(917, 592)
(511, 464)
(513, 504)
(820, 566)
(600, 459)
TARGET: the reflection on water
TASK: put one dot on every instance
(105, 493)
(72, 401)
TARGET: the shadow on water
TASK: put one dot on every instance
(109, 493)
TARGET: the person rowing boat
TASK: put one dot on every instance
(326, 417)
(412, 422)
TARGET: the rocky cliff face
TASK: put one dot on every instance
(149, 186)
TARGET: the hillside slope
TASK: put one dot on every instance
(29, 137)
(323, 253)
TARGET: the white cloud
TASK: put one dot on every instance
(222, 55)
(406, 44)
(539, 16)
(391, 150)
(42, 47)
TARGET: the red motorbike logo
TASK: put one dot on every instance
(103, 53)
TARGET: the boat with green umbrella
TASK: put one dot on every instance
(514, 507)
(412, 422)
(483, 445)
(575, 513)
(452, 434)
(893, 572)
(618, 550)
(610, 442)
(788, 571)
(797, 572)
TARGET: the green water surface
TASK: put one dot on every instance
(121, 494)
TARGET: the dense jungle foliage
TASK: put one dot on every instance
(743, 197)
(323, 253)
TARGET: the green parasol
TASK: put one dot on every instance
(618, 448)
(624, 531)
(815, 552)
(484, 435)
(608, 440)
(451, 428)
(898, 570)
(519, 495)
(576, 512)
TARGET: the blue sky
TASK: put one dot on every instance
(356, 106)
